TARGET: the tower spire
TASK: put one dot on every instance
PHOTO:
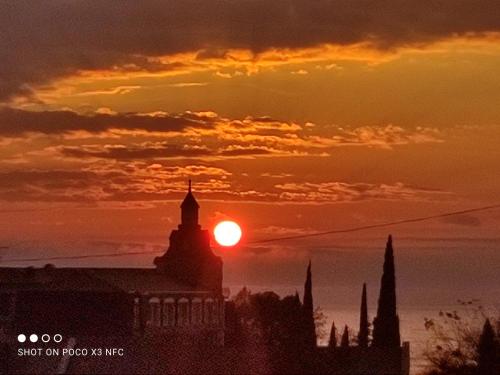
(189, 209)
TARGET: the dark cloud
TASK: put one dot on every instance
(133, 152)
(15, 122)
(351, 192)
(241, 151)
(139, 181)
(131, 182)
(42, 40)
(51, 185)
(158, 151)
(257, 250)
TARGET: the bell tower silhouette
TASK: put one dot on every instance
(189, 211)
(189, 257)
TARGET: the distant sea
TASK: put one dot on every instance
(411, 317)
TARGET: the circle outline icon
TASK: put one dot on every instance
(60, 338)
(45, 338)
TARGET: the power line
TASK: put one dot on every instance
(275, 239)
(102, 255)
(381, 225)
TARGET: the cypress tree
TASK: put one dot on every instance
(363, 321)
(308, 299)
(344, 342)
(386, 323)
(308, 307)
(332, 343)
(487, 350)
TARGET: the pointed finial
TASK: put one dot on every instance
(189, 188)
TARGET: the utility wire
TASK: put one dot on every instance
(102, 255)
(276, 239)
(381, 225)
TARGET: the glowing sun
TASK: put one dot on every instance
(227, 233)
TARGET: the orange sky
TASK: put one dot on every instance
(304, 118)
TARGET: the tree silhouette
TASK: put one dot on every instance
(272, 325)
(487, 350)
(462, 344)
(297, 298)
(332, 343)
(386, 323)
(344, 342)
(308, 307)
(364, 329)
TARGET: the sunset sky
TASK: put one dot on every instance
(290, 117)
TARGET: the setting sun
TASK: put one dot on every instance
(227, 233)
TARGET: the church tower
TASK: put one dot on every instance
(189, 211)
(189, 257)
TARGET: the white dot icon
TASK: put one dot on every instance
(21, 338)
(33, 338)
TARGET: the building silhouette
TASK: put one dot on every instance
(189, 258)
(181, 296)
